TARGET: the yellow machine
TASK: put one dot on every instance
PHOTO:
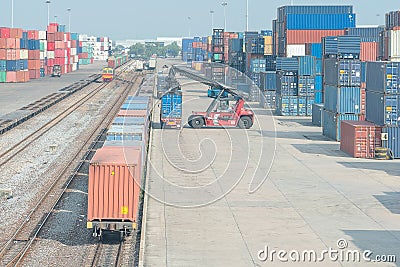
(107, 74)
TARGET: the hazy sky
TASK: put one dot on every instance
(133, 19)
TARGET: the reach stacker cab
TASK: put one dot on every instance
(224, 111)
(56, 71)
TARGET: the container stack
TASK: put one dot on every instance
(369, 41)
(33, 54)
(389, 43)
(295, 86)
(268, 43)
(383, 101)
(254, 49)
(315, 49)
(227, 37)
(51, 46)
(100, 47)
(84, 50)
(10, 42)
(236, 56)
(187, 50)
(299, 25)
(43, 53)
(268, 83)
(22, 68)
(74, 51)
(342, 94)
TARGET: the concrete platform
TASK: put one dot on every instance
(14, 96)
(202, 211)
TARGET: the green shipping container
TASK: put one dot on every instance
(41, 46)
(3, 76)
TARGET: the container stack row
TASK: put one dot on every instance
(295, 82)
(26, 55)
(389, 43)
(383, 101)
(101, 47)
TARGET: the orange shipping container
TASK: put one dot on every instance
(59, 36)
(12, 43)
(34, 64)
(16, 33)
(369, 51)
(11, 77)
(3, 54)
(12, 54)
(309, 36)
(3, 43)
(34, 54)
(20, 76)
(114, 185)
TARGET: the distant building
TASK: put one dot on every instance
(158, 41)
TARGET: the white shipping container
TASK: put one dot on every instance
(42, 55)
(394, 44)
(50, 55)
(73, 51)
(68, 44)
(65, 37)
(42, 35)
(295, 50)
(23, 54)
(76, 59)
(74, 67)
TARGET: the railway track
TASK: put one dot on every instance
(14, 251)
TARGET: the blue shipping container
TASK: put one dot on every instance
(306, 65)
(330, 45)
(318, 66)
(306, 85)
(342, 99)
(134, 106)
(331, 123)
(305, 105)
(270, 63)
(284, 63)
(286, 105)
(131, 132)
(286, 85)
(318, 83)
(22, 64)
(320, 21)
(365, 31)
(12, 65)
(327, 9)
(3, 65)
(383, 109)
(270, 81)
(349, 45)
(344, 72)
(317, 113)
(318, 97)
(316, 50)
(268, 99)
(393, 140)
(383, 77)
(171, 105)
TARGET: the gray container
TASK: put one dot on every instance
(342, 72)
(383, 77)
(317, 111)
(287, 64)
(383, 109)
(342, 99)
(331, 123)
(393, 140)
(129, 121)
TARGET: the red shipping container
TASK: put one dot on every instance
(20, 76)
(59, 61)
(309, 36)
(73, 44)
(80, 43)
(59, 53)
(26, 76)
(49, 69)
(369, 51)
(91, 60)
(51, 37)
(360, 138)
(114, 185)
(4, 32)
(68, 36)
(33, 35)
(52, 28)
(3, 43)
(34, 74)
(11, 43)
(12, 54)
(11, 76)
(33, 54)
(3, 54)
(34, 64)
(51, 46)
(50, 62)
(59, 36)
(16, 33)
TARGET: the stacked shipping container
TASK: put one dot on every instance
(383, 101)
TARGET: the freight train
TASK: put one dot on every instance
(116, 172)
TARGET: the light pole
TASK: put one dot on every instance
(48, 11)
(212, 19)
(69, 19)
(189, 19)
(224, 4)
(55, 18)
(247, 15)
(12, 13)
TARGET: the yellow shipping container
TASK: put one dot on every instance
(268, 49)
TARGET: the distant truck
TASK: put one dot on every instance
(139, 65)
(152, 63)
(171, 109)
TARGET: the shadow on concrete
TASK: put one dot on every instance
(330, 150)
(390, 167)
(383, 243)
(391, 200)
(305, 122)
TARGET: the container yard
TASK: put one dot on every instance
(273, 146)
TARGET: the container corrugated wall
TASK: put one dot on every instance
(342, 99)
(287, 64)
(307, 66)
(393, 143)
(309, 36)
(369, 51)
(383, 109)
